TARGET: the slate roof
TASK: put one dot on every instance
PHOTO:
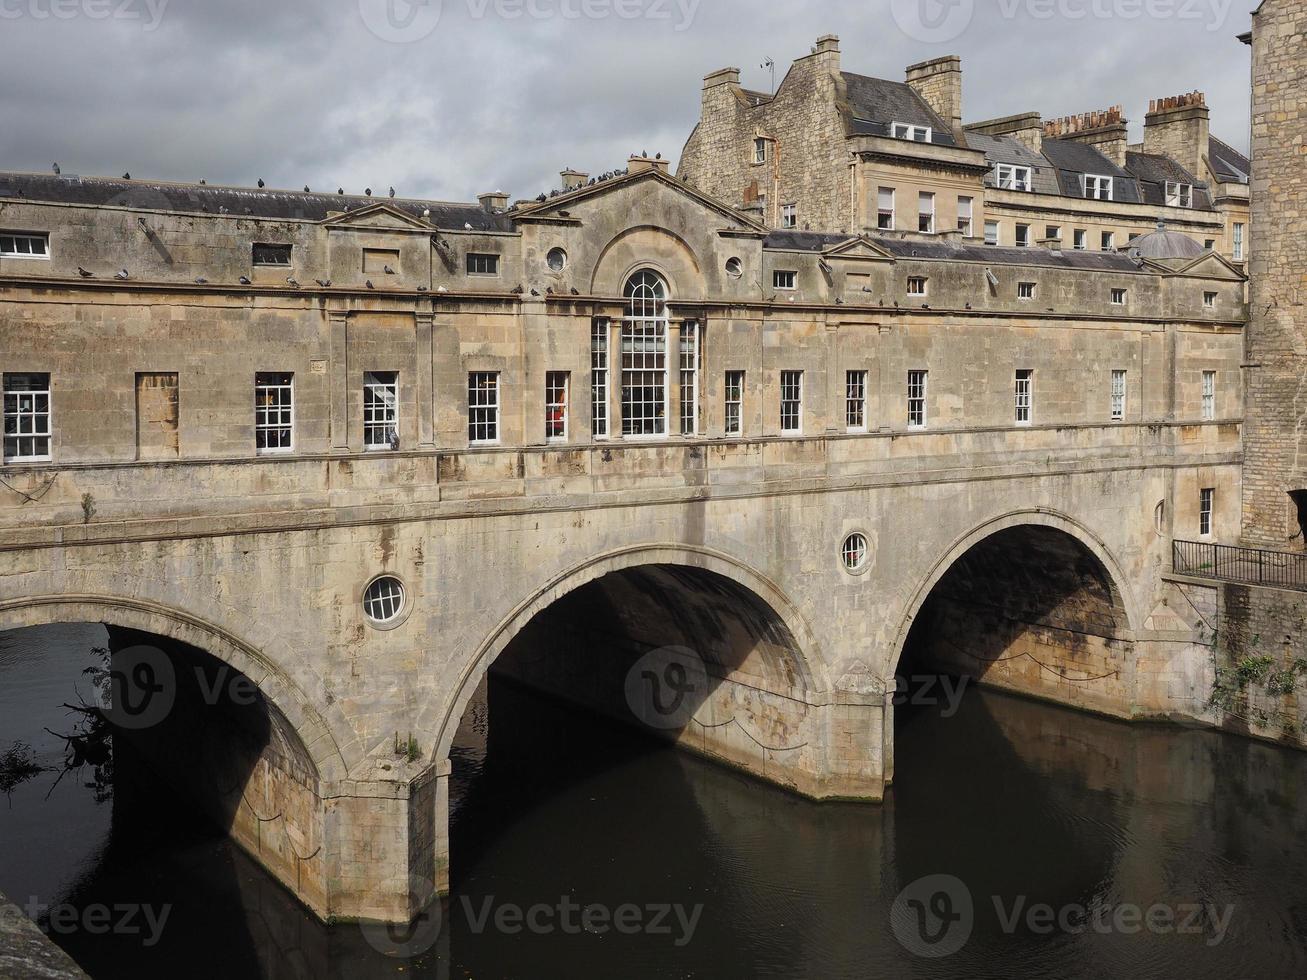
(916, 248)
(1228, 163)
(1073, 160)
(1009, 149)
(197, 198)
(876, 104)
(1153, 173)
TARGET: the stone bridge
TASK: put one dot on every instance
(1043, 573)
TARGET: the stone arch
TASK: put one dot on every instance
(652, 247)
(278, 688)
(810, 670)
(1053, 520)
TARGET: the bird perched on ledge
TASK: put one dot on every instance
(84, 274)
(245, 281)
(122, 274)
(324, 283)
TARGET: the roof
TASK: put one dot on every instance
(1073, 160)
(1228, 164)
(1154, 172)
(939, 250)
(1009, 149)
(875, 104)
(202, 198)
(1163, 244)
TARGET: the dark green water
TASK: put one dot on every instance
(1019, 804)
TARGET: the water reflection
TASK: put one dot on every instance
(1021, 802)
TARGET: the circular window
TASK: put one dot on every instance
(383, 602)
(854, 553)
(557, 259)
(734, 268)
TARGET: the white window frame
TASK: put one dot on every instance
(855, 401)
(1119, 394)
(918, 394)
(12, 241)
(733, 421)
(883, 212)
(791, 403)
(1179, 195)
(1209, 299)
(384, 600)
(1238, 245)
(789, 216)
(600, 333)
(1025, 396)
(483, 408)
(380, 413)
(1108, 241)
(490, 259)
(558, 399)
(1120, 295)
(924, 198)
(690, 362)
(1012, 177)
(997, 229)
(918, 286)
(966, 215)
(1080, 239)
(30, 411)
(274, 412)
(1019, 240)
(1209, 396)
(778, 282)
(913, 132)
(1206, 511)
(645, 353)
(1025, 290)
(1097, 187)
(760, 150)
(1053, 232)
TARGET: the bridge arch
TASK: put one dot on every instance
(802, 672)
(277, 687)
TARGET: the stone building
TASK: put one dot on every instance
(834, 150)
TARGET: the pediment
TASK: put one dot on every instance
(1209, 266)
(377, 216)
(857, 249)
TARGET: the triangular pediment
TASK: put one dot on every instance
(570, 206)
(380, 216)
(1211, 265)
(857, 249)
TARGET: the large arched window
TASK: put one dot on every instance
(644, 356)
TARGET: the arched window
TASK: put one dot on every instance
(644, 356)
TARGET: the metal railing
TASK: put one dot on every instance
(1202, 559)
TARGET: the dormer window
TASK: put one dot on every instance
(1008, 177)
(1097, 188)
(760, 150)
(24, 245)
(1179, 195)
(907, 131)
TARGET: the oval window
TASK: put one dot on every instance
(734, 268)
(557, 259)
(854, 552)
(384, 600)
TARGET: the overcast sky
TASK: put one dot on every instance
(449, 98)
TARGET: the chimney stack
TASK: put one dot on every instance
(939, 83)
(1026, 127)
(1179, 127)
(638, 165)
(572, 179)
(1104, 129)
(493, 201)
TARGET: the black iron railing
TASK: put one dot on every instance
(1201, 559)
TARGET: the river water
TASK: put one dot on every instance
(1021, 839)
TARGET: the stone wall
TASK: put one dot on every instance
(1275, 444)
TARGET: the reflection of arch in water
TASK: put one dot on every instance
(1031, 602)
(240, 740)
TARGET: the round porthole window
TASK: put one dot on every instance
(557, 260)
(855, 553)
(734, 268)
(383, 601)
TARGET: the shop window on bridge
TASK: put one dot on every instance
(26, 417)
(644, 356)
(274, 412)
(599, 377)
(689, 378)
(380, 411)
